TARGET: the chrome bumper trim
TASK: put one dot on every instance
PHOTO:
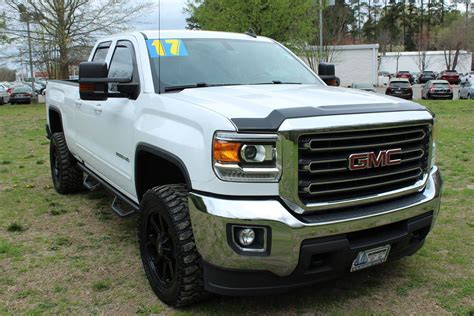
(210, 216)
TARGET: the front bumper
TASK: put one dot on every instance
(291, 234)
(441, 95)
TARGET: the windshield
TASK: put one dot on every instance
(399, 84)
(21, 89)
(208, 62)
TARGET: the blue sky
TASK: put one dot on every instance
(172, 16)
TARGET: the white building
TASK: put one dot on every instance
(355, 63)
(434, 61)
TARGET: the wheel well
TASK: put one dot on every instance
(55, 122)
(154, 167)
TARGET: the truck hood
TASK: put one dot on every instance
(258, 101)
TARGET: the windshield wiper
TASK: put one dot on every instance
(199, 85)
(276, 82)
(204, 85)
(177, 88)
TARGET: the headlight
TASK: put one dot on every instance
(434, 139)
(246, 157)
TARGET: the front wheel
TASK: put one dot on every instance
(171, 261)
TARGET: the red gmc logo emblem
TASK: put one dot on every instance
(371, 160)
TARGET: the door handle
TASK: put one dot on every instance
(78, 104)
(97, 108)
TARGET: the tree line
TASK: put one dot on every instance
(62, 32)
(408, 25)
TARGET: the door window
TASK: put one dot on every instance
(101, 52)
(121, 65)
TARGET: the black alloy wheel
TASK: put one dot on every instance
(160, 252)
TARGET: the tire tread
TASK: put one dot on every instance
(174, 199)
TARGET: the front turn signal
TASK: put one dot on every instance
(225, 152)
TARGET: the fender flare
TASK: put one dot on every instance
(164, 155)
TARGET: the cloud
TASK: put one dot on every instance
(172, 16)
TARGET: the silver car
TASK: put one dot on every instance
(4, 96)
(466, 90)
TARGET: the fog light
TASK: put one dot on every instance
(246, 236)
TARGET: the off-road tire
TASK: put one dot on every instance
(170, 204)
(67, 176)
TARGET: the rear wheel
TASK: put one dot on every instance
(2, 101)
(171, 261)
(67, 176)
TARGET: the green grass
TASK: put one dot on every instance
(70, 255)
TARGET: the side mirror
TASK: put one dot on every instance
(93, 81)
(327, 73)
(94, 84)
(325, 69)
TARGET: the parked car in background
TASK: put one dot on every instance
(406, 75)
(426, 76)
(415, 76)
(467, 76)
(4, 96)
(452, 76)
(8, 86)
(38, 87)
(384, 78)
(21, 94)
(437, 89)
(466, 90)
(400, 88)
(364, 86)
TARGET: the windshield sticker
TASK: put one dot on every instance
(166, 48)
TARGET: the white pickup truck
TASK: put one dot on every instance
(248, 173)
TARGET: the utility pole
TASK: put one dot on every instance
(25, 17)
(331, 3)
(320, 30)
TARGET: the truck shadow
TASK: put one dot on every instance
(376, 281)
(318, 298)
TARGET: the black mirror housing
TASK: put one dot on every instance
(93, 81)
(327, 72)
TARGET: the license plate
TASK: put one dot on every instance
(19, 95)
(371, 257)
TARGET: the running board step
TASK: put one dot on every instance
(91, 183)
(122, 205)
(121, 208)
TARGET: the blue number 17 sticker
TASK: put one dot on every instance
(166, 48)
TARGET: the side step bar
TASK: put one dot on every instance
(122, 205)
(91, 183)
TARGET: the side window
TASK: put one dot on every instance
(121, 65)
(101, 52)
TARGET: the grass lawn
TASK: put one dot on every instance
(70, 254)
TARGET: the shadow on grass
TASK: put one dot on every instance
(319, 297)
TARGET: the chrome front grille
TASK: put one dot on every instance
(323, 173)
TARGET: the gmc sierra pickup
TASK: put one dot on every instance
(248, 173)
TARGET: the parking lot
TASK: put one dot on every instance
(417, 91)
